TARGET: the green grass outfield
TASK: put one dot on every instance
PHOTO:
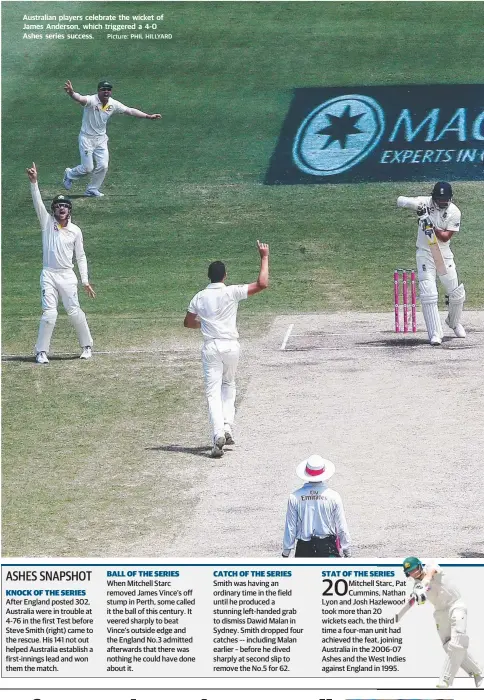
(181, 192)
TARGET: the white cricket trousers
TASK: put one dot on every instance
(452, 629)
(219, 360)
(427, 272)
(94, 160)
(64, 283)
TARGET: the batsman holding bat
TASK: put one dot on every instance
(433, 584)
(438, 220)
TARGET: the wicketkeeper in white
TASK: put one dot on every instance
(93, 140)
(438, 220)
(315, 517)
(432, 583)
(214, 310)
(61, 239)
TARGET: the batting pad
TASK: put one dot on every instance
(456, 305)
(456, 653)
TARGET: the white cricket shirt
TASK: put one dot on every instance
(315, 510)
(96, 115)
(216, 306)
(442, 592)
(59, 244)
(445, 219)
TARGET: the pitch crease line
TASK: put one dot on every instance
(286, 337)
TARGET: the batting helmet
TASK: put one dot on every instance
(410, 564)
(61, 199)
(443, 191)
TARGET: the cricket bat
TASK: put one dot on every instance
(429, 231)
(404, 610)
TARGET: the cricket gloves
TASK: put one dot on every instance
(425, 221)
(419, 598)
(419, 595)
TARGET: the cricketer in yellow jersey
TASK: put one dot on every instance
(432, 583)
(61, 240)
(445, 219)
(93, 140)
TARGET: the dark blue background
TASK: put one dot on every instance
(420, 99)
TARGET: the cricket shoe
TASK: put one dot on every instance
(229, 438)
(93, 193)
(217, 449)
(41, 358)
(458, 329)
(435, 339)
(66, 180)
(86, 353)
(443, 684)
(477, 679)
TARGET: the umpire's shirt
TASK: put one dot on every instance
(315, 510)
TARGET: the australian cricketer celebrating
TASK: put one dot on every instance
(61, 240)
(93, 140)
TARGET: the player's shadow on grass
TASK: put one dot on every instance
(405, 342)
(203, 451)
(31, 358)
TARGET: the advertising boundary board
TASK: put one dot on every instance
(380, 133)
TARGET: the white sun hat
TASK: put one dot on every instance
(315, 468)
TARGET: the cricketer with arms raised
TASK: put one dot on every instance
(214, 311)
(93, 140)
(61, 241)
(438, 220)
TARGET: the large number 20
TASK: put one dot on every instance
(340, 586)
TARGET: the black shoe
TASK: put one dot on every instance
(229, 440)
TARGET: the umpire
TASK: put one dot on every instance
(315, 516)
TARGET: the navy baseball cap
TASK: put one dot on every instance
(104, 85)
(442, 190)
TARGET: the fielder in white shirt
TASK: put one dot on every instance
(315, 518)
(93, 140)
(214, 310)
(444, 219)
(432, 583)
(61, 240)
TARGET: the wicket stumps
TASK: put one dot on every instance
(396, 291)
